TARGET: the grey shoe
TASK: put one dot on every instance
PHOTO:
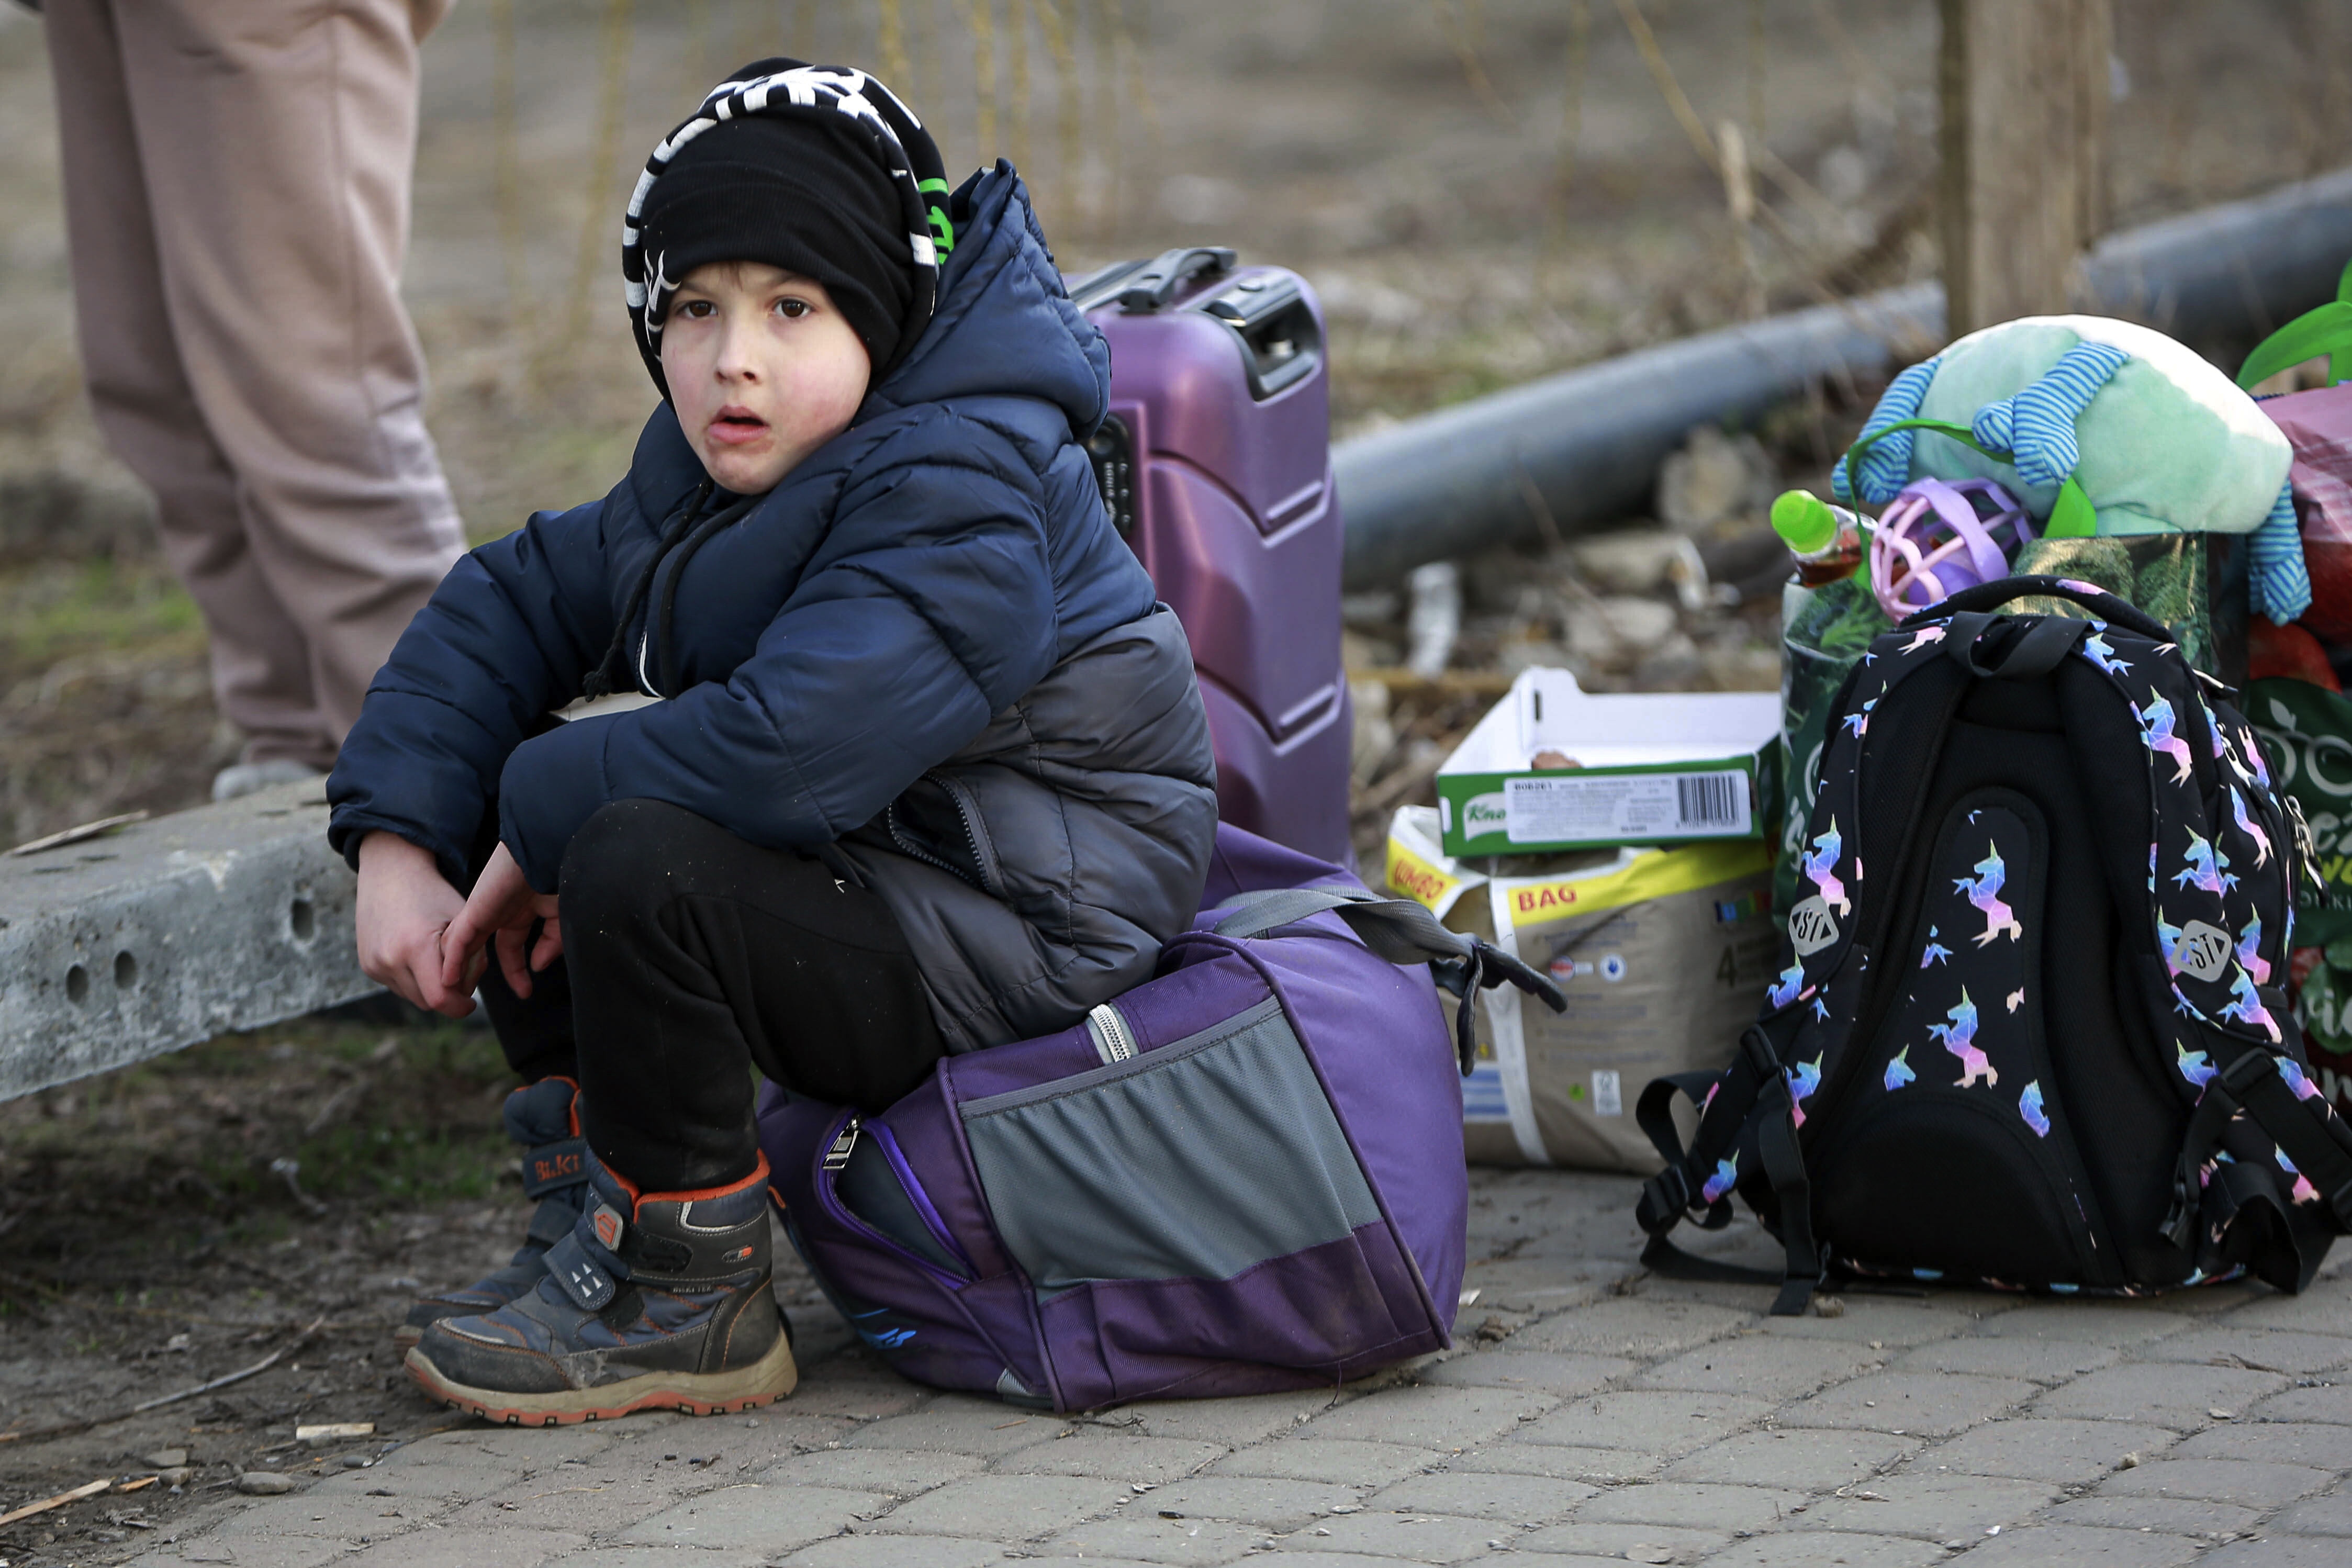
(544, 1118)
(655, 1301)
(244, 778)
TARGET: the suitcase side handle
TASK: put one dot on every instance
(1153, 288)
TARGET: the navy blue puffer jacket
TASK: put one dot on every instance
(926, 656)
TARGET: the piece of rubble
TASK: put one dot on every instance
(1374, 735)
(1641, 624)
(1433, 621)
(1628, 560)
(1714, 480)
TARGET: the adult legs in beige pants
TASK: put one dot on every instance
(236, 181)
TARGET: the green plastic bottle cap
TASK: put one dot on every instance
(1805, 522)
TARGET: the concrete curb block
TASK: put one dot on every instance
(164, 933)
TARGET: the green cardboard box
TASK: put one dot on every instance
(1651, 768)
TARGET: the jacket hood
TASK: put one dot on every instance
(1005, 324)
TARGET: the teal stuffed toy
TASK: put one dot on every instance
(2096, 426)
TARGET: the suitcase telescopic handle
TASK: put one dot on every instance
(1153, 288)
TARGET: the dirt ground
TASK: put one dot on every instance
(1483, 191)
(152, 1239)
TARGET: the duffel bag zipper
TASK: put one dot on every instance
(845, 1144)
(1113, 1041)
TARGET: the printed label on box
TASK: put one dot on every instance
(1607, 1100)
(1568, 808)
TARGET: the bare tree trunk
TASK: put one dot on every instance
(2024, 181)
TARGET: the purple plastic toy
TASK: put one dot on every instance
(1216, 461)
(1937, 537)
(1242, 1177)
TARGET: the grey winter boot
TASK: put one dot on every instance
(654, 1301)
(544, 1118)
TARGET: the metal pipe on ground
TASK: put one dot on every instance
(1582, 447)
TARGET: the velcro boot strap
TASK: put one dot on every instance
(584, 1278)
(550, 1221)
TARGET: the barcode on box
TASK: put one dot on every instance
(1712, 800)
(1606, 808)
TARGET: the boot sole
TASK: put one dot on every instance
(765, 1380)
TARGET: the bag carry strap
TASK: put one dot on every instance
(1404, 934)
(2320, 1146)
(1755, 1082)
(1994, 594)
(2029, 657)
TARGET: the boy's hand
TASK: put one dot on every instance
(503, 905)
(404, 908)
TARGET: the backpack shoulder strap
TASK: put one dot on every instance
(1753, 1089)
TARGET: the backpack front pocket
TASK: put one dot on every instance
(1950, 1180)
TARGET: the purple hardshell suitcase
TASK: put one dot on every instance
(1216, 464)
(1243, 1175)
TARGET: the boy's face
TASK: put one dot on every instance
(762, 370)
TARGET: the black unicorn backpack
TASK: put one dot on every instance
(2031, 1028)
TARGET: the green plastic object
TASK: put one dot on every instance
(2072, 516)
(1805, 522)
(2325, 331)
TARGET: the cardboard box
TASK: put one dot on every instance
(1654, 768)
(1664, 955)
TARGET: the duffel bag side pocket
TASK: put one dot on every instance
(1202, 1199)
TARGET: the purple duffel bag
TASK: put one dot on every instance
(1243, 1175)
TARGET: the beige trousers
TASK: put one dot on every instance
(236, 183)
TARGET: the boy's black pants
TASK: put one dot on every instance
(690, 955)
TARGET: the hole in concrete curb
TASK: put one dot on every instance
(126, 970)
(304, 919)
(77, 984)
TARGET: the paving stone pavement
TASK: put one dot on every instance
(1591, 1412)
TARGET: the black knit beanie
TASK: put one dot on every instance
(817, 169)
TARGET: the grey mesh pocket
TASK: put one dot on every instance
(1201, 1159)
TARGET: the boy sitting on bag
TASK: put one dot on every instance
(910, 763)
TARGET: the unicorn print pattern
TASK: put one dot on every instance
(2193, 1065)
(2029, 1105)
(1898, 1070)
(2155, 722)
(2247, 825)
(1959, 1036)
(1926, 636)
(2250, 950)
(1984, 891)
(2094, 648)
(2297, 1080)
(2168, 940)
(2303, 1191)
(1820, 864)
(1804, 1079)
(2207, 867)
(2247, 1008)
(1727, 1174)
(1934, 953)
